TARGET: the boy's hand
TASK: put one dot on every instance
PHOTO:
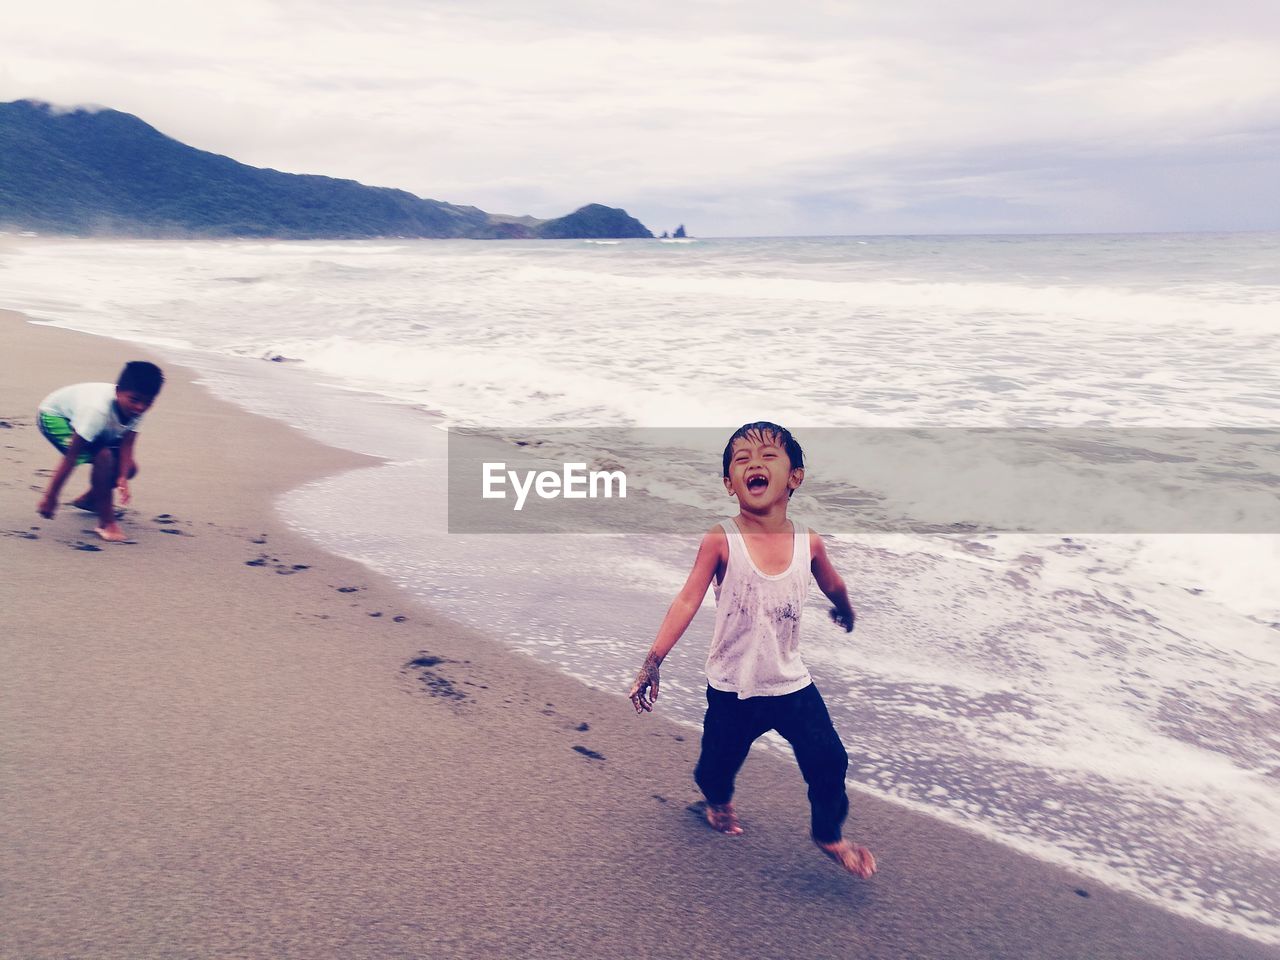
(48, 506)
(645, 690)
(844, 618)
(123, 488)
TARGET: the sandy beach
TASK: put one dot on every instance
(220, 741)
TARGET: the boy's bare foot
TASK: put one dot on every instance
(111, 533)
(722, 818)
(857, 860)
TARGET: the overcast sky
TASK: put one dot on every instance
(736, 117)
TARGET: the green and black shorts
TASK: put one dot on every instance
(57, 430)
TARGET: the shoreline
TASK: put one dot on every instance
(266, 773)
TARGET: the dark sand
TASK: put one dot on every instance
(212, 748)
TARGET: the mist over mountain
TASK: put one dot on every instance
(103, 172)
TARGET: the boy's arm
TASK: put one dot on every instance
(126, 465)
(830, 583)
(681, 613)
(49, 502)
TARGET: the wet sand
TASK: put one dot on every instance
(220, 741)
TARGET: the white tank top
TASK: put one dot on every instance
(755, 651)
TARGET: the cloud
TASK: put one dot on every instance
(741, 113)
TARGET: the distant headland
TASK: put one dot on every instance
(103, 172)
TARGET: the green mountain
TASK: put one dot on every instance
(593, 221)
(99, 172)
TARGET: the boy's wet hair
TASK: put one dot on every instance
(781, 435)
(141, 377)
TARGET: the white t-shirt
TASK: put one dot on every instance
(91, 409)
(755, 651)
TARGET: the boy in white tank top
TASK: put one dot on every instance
(760, 563)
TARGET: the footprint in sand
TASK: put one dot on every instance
(285, 569)
(435, 683)
(165, 519)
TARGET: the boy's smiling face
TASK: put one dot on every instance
(760, 472)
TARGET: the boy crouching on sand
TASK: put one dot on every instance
(761, 563)
(98, 423)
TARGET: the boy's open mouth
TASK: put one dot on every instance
(757, 483)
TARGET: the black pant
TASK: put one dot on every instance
(732, 725)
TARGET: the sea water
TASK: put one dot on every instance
(1108, 702)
